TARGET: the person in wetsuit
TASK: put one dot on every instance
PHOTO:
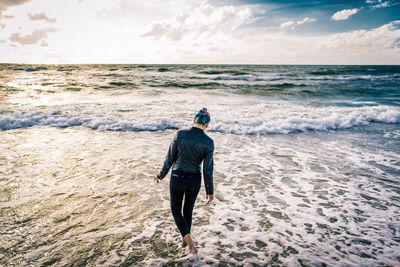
(188, 150)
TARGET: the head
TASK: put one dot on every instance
(202, 119)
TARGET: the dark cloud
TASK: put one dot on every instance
(41, 16)
(35, 37)
(4, 4)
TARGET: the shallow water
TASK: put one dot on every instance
(74, 196)
(302, 181)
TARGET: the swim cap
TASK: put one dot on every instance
(202, 117)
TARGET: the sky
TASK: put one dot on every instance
(200, 31)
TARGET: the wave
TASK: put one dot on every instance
(186, 84)
(249, 78)
(247, 88)
(287, 85)
(16, 120)
(269, 89)
(295, 124)
(50, 83)
(112, 74)
(118, 84)
(67, 68)
(73, 89)
(31, 69)
(163, 69)
(292, 124)
(232, 72)
(324, 72)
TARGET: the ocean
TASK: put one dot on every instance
(307, 164)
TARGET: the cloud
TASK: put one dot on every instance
(379, 3)
(306, 20)
(4, 4)
(205, 19)
(344, 14)
(261, 46)
(384, 37)
(35, 37)
(41, 16)
(196, 31)
(290, 25)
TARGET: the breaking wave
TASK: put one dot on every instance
(300, 124)
(292, 124)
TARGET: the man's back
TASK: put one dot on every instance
(186, 152)
(193, 145)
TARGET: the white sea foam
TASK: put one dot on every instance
(299, 119)
(393, 134)
(303, 123)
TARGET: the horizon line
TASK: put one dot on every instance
(203, 64)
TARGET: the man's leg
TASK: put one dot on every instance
(177, 189)
(190, 198)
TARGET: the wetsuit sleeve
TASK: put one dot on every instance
(170, 158)
(208, 168)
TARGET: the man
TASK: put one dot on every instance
(186, 152)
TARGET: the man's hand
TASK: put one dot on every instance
(209, 198)
(157, 179)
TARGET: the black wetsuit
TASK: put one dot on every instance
(186, 152)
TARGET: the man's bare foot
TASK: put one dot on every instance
(184, 244)
(192, 249)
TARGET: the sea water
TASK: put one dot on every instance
(307, 164)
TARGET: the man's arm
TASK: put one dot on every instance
(208, 168)
(170, 158)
